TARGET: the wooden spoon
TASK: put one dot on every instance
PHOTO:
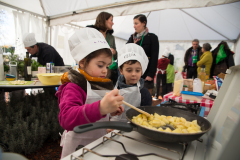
(137, 109)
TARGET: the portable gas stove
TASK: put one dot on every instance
(119, 145)
(222, 142)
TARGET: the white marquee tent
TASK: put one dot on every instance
(175, 22)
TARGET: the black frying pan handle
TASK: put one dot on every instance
(123, 126)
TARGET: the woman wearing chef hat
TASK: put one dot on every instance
(81, 96)
(132, 63)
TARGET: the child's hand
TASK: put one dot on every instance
(110, 102)
(118, 112)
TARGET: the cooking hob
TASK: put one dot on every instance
(119, 145)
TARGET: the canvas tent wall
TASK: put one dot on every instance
(177, 26)
(178, 38)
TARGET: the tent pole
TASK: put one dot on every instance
(20, 9)
(43, 8)
(207, 25)
(148, 14)
(47, 23)
(47, 30)
(50, 35)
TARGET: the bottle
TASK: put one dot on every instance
(52, 67)
(76, 66)
(202, 76)
(1, 65)
(27, 68)
(48, 67)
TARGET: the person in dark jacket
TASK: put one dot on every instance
(149, 42)
(44, 52)
(103, 24)
(224, 64)
(191, 58)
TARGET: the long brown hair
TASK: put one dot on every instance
(101, 20)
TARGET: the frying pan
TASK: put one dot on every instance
(150, 133)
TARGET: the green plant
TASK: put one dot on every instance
(35, 65)
(6, 68)
(20, 67)
(27, 122)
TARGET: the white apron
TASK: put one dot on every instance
(161, 70)
(71, 140)
(131, 95)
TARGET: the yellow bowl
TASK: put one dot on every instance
(49, 78)
(10, 79)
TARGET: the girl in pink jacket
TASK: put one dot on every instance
(81, 96)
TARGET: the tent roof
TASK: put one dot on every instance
(58, 8)
(33, 6)
(170, 20)
(209, 23)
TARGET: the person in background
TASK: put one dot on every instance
(191, 58)
(223, 64)
(132, 62)
(170, 71)
(149, 42)
(161, 74)
(104, 23)
(79, 102)
(205, 59)
(44, 52)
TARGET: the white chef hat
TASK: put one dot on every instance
(166, 52)
(29, 39)
(84, 41)
(132, 51)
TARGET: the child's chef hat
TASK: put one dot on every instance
(166, 52)
(29, 39)
(132, 51)
(84, 41)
